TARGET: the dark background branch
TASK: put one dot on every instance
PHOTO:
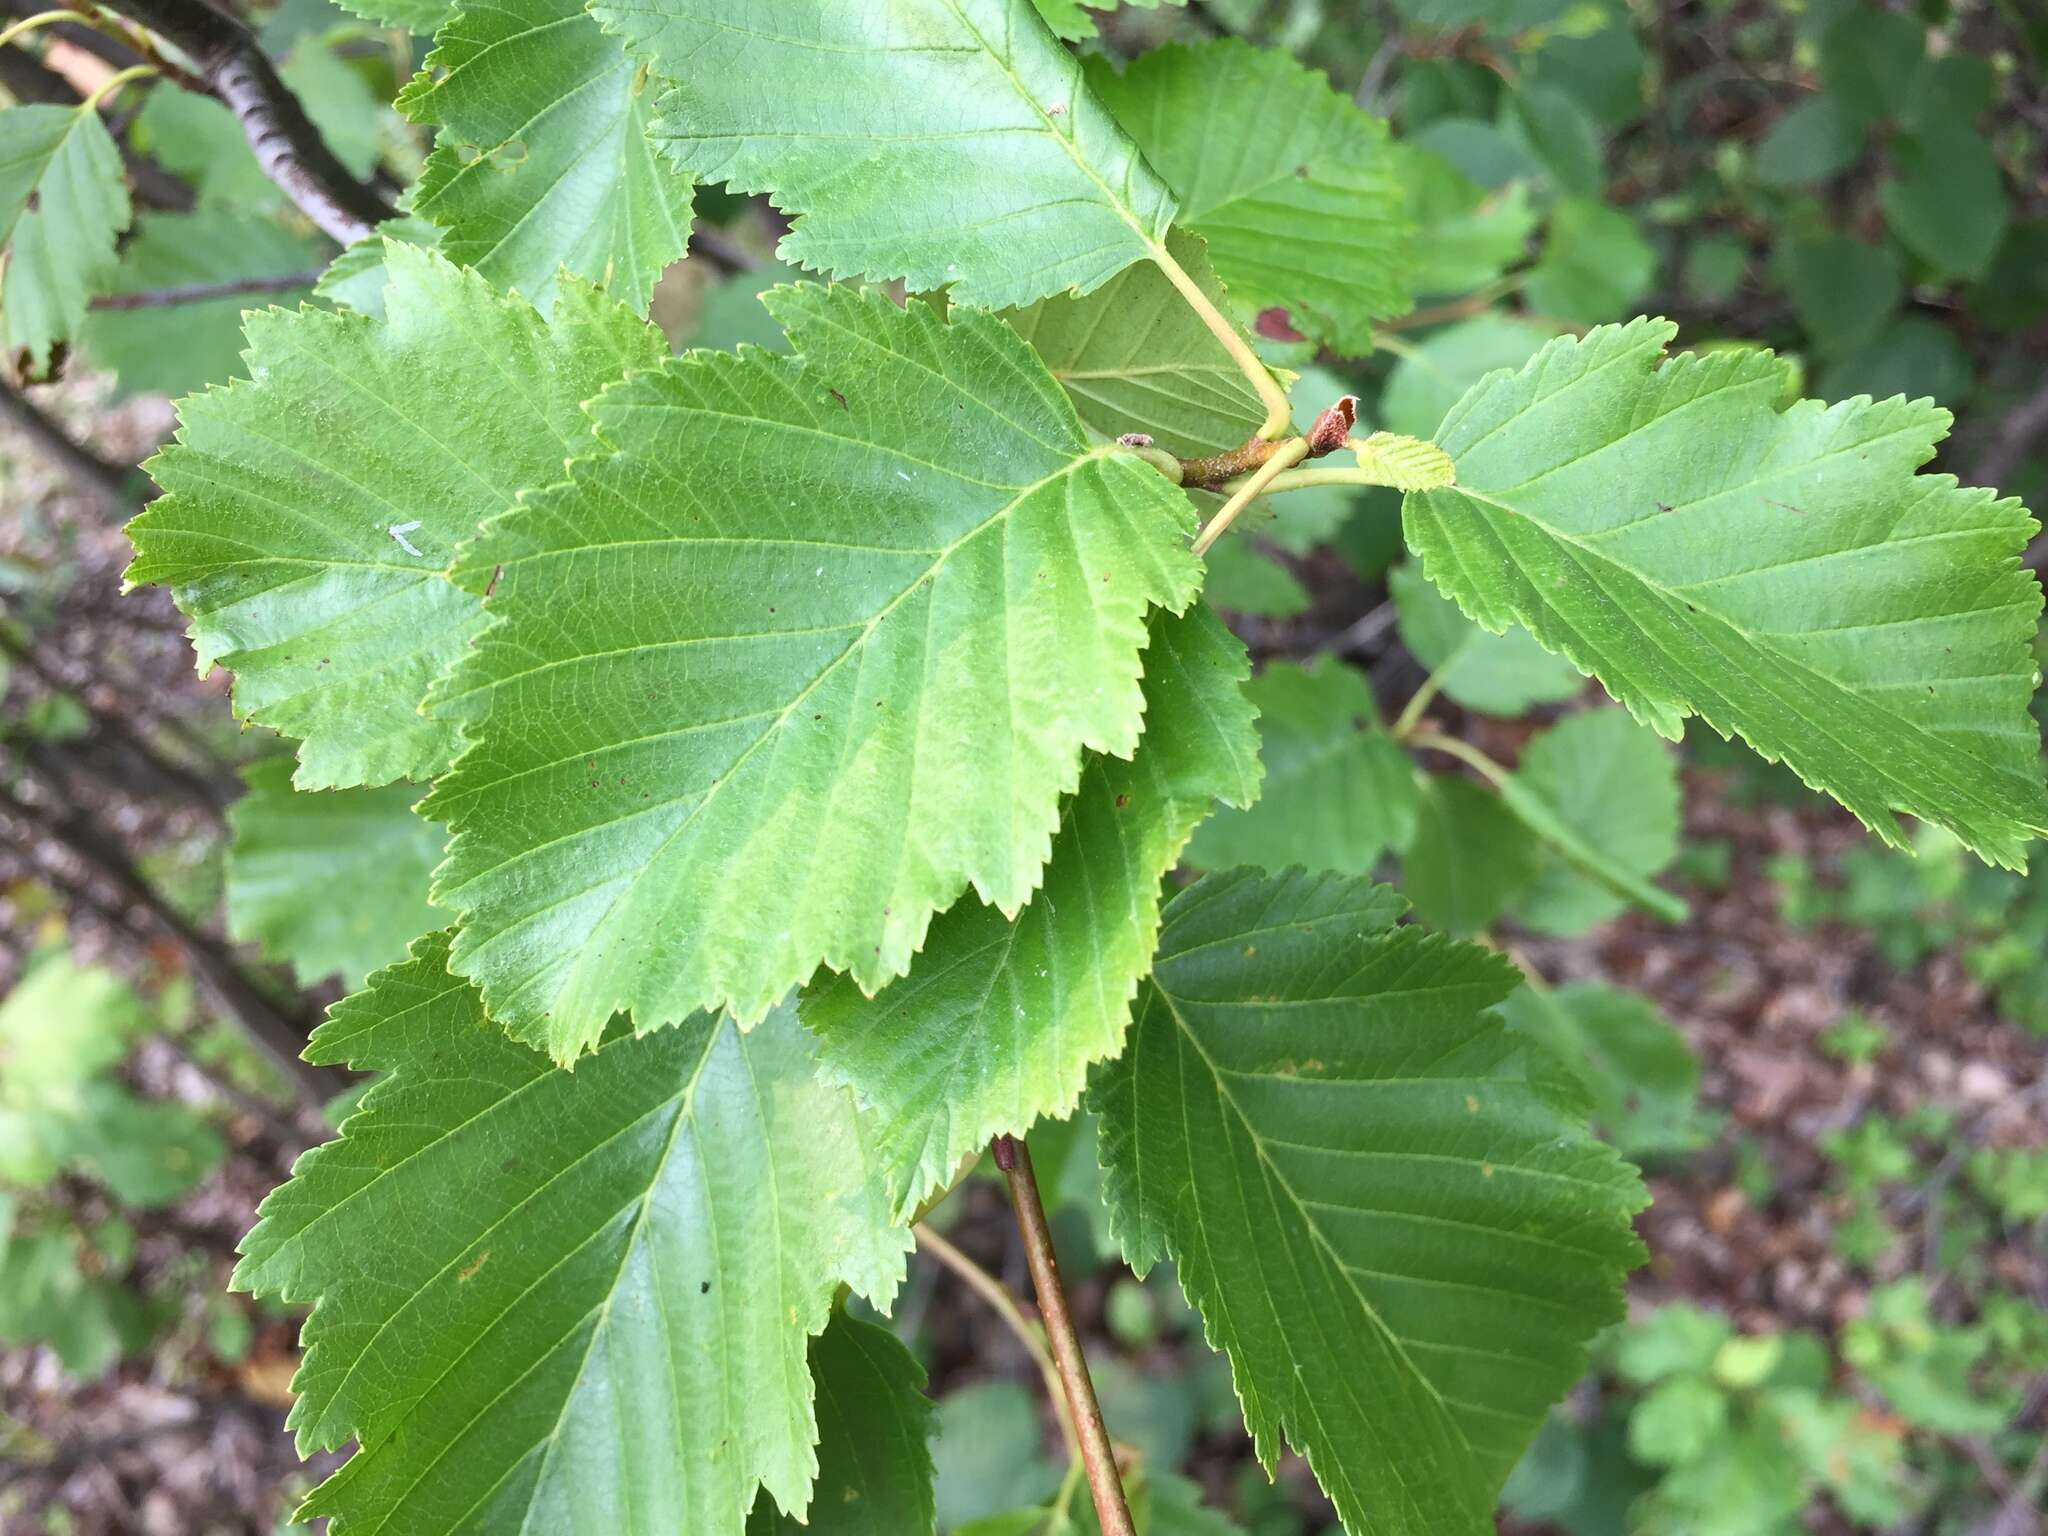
(235, 69)
(118, 489)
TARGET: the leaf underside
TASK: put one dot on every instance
(952, 143)
(1785, 575)
(275, 534)
(774, 701)
(1294, 188)
(570, 1302)
(1384, 1206)
(1000, 1020)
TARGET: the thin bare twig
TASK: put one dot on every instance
(234, 69)
(997, 1295)
(1098, 1456)
(107, 483)
(194, 293)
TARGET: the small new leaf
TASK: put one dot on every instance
(830, 664)
(1384, 1207)
(1783, 575)
(63, 199)
(574, 1302)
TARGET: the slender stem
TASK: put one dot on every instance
(114, 82)
(194, 293)
(1411, 713)
(997, 1295)
(1279, 414)
(1463, 751)
(1287, 454)
(28, 24)
(1098, 1456)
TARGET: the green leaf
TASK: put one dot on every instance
(543, 160)
(950, 144)
(334, 883)
(1843, 290)
(1948, 204)
(1433, 375)
(1070, 20)
(357, 277)
(879, 689)
(999, 1021)
(1602, 792)
(276, 535)
(1373, 1194)
(1244, 579)
(1465, 235)
(1470, 856)
(1640, 1076)
(1338, 790)
(567, 1301)
(1135, 358)
(425, 17)
(63, 198)
(1799, 585)
(1501, 675)
(1294, 188)
(1816, 140)
(176, 349)
(874, 1468)
(201, 141)
(1595, 264)
(988, 1453)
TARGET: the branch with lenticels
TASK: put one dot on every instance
(228, 62)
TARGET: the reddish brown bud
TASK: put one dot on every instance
(1333, 428)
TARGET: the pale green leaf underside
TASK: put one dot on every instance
(944, 142)
(773, 698)
(874, 1424)
(1339, 790)
(1135, 358)
(1785, 576)
(63, 199)
(1294, 188)
(544, 160)
(276, 533)
(1375, 1197)
(999, 1021)
(567, 1302)
(333, 883)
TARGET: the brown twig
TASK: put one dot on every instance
(1098, 1456)
(276, 1036)
(107, 483)
(194, 293)
(234, 69)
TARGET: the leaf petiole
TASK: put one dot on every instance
(1279, 414)
(1249, 490)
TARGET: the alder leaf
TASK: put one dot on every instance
(1382, 1202)
(1470, 856)
(560, 1301)
(831, 665)
(1783, 575)
(1135, 358)
(950, 143)
(1339, 791)
(543, 161)
(277, 533)
(1295, 189)
(332, 883)
(874, 1463)
(1642, 1079)
(999, 1021)
(63, 199)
